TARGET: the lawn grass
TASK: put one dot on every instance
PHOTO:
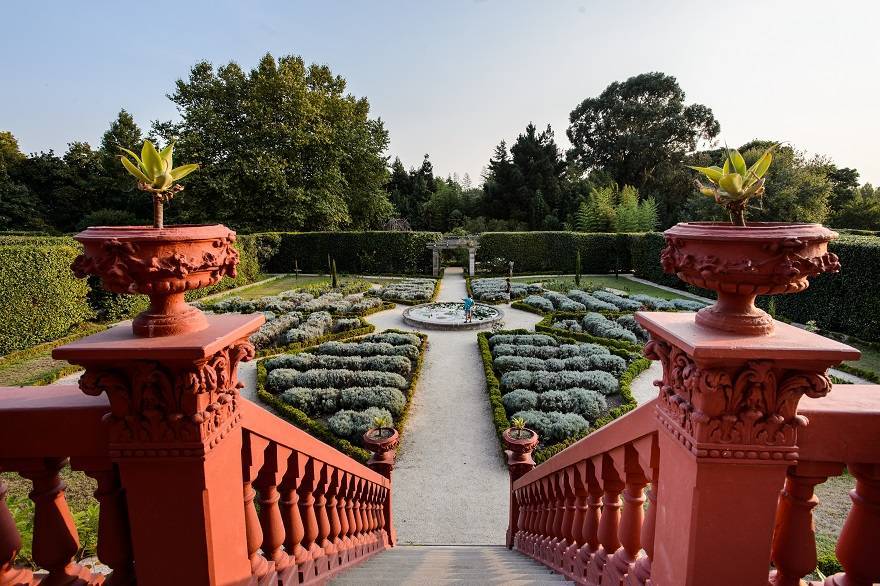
(598, 282)
(35, 365)
(870, 359)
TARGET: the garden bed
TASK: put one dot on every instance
(333, 391)
(564, 387)
(410, 291)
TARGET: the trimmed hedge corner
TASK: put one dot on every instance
(41, 300)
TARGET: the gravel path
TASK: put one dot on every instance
(450, 481)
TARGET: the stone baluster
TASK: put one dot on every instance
(546, 529)
(649, 458)
(55, 540)
(857, 547)
(269, 478)
(114, 535)
(628, 464)
(374, 512)
(578, 488)
(344, 505)
(591, 520)
(609, 522)
(290, 509)
(321, 511)
(380, 515)
(252, 460)
(10, 544)
(565, 534)
(357, 521)
(534, 515)
(367, 512)
(333, 514)
(793, 550)
(307, 508)
(343, 542)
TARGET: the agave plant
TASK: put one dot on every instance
(734, 184)
(519, 427)
(156, 174)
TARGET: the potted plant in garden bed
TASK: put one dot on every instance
(160, 262)
(382, 440)
(741, 260)
(519, 440)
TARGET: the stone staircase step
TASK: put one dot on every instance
(449, 564)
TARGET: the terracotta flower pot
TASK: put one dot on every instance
(162, 264)
(381, 445)
(520, 448)
(740, 263)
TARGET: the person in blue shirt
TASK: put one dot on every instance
(468, 309)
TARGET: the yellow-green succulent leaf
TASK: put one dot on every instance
(713, 174)
(708, 191)
(183, 171)
(152, 160)
(167, 155)
(732, 184)
(726, 168)
(133, 169)
(134, 156)
(738, 162)
(760, 167)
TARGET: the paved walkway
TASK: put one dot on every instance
(450, 481)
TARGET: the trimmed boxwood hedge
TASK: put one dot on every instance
(499, 415)
(320, 430)
(555, 252)
(354, 252)
(41, 299)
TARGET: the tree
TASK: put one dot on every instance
(120, 191)
(597, 213)
(282, 147)
(635, 125)
(626, 216)
(529, 184)
(797, 188)
(638, 132)
(860, 212)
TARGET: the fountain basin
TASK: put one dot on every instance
(449, 315)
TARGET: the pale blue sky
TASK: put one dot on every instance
(453, 78)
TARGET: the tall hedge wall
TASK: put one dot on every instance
(355, 252)
(847, 301)
(41, 299)
(556, 251)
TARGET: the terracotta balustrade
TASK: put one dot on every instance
(843, 433)
(289, 483)
(570, 514)
(609, 537)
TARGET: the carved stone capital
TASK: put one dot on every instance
(161, 408)
(743, 410)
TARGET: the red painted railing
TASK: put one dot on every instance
(307, 510)
(583, 512)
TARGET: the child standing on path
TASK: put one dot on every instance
(468, 309)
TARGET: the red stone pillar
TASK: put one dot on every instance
(175, 435)
(727, 410)
(519, 444)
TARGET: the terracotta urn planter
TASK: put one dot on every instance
(162, 263)
(740, 263)
(382, 442)
(520, 443)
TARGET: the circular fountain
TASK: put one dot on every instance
(449, 315)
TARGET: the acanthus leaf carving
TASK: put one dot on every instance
(156, 403)
(751, 406)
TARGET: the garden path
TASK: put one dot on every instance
(450, 481)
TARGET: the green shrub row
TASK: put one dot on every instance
(354, 252)
(555, 252)
(546, 326)
(319, 429)
(41, 299)
(499, 415)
